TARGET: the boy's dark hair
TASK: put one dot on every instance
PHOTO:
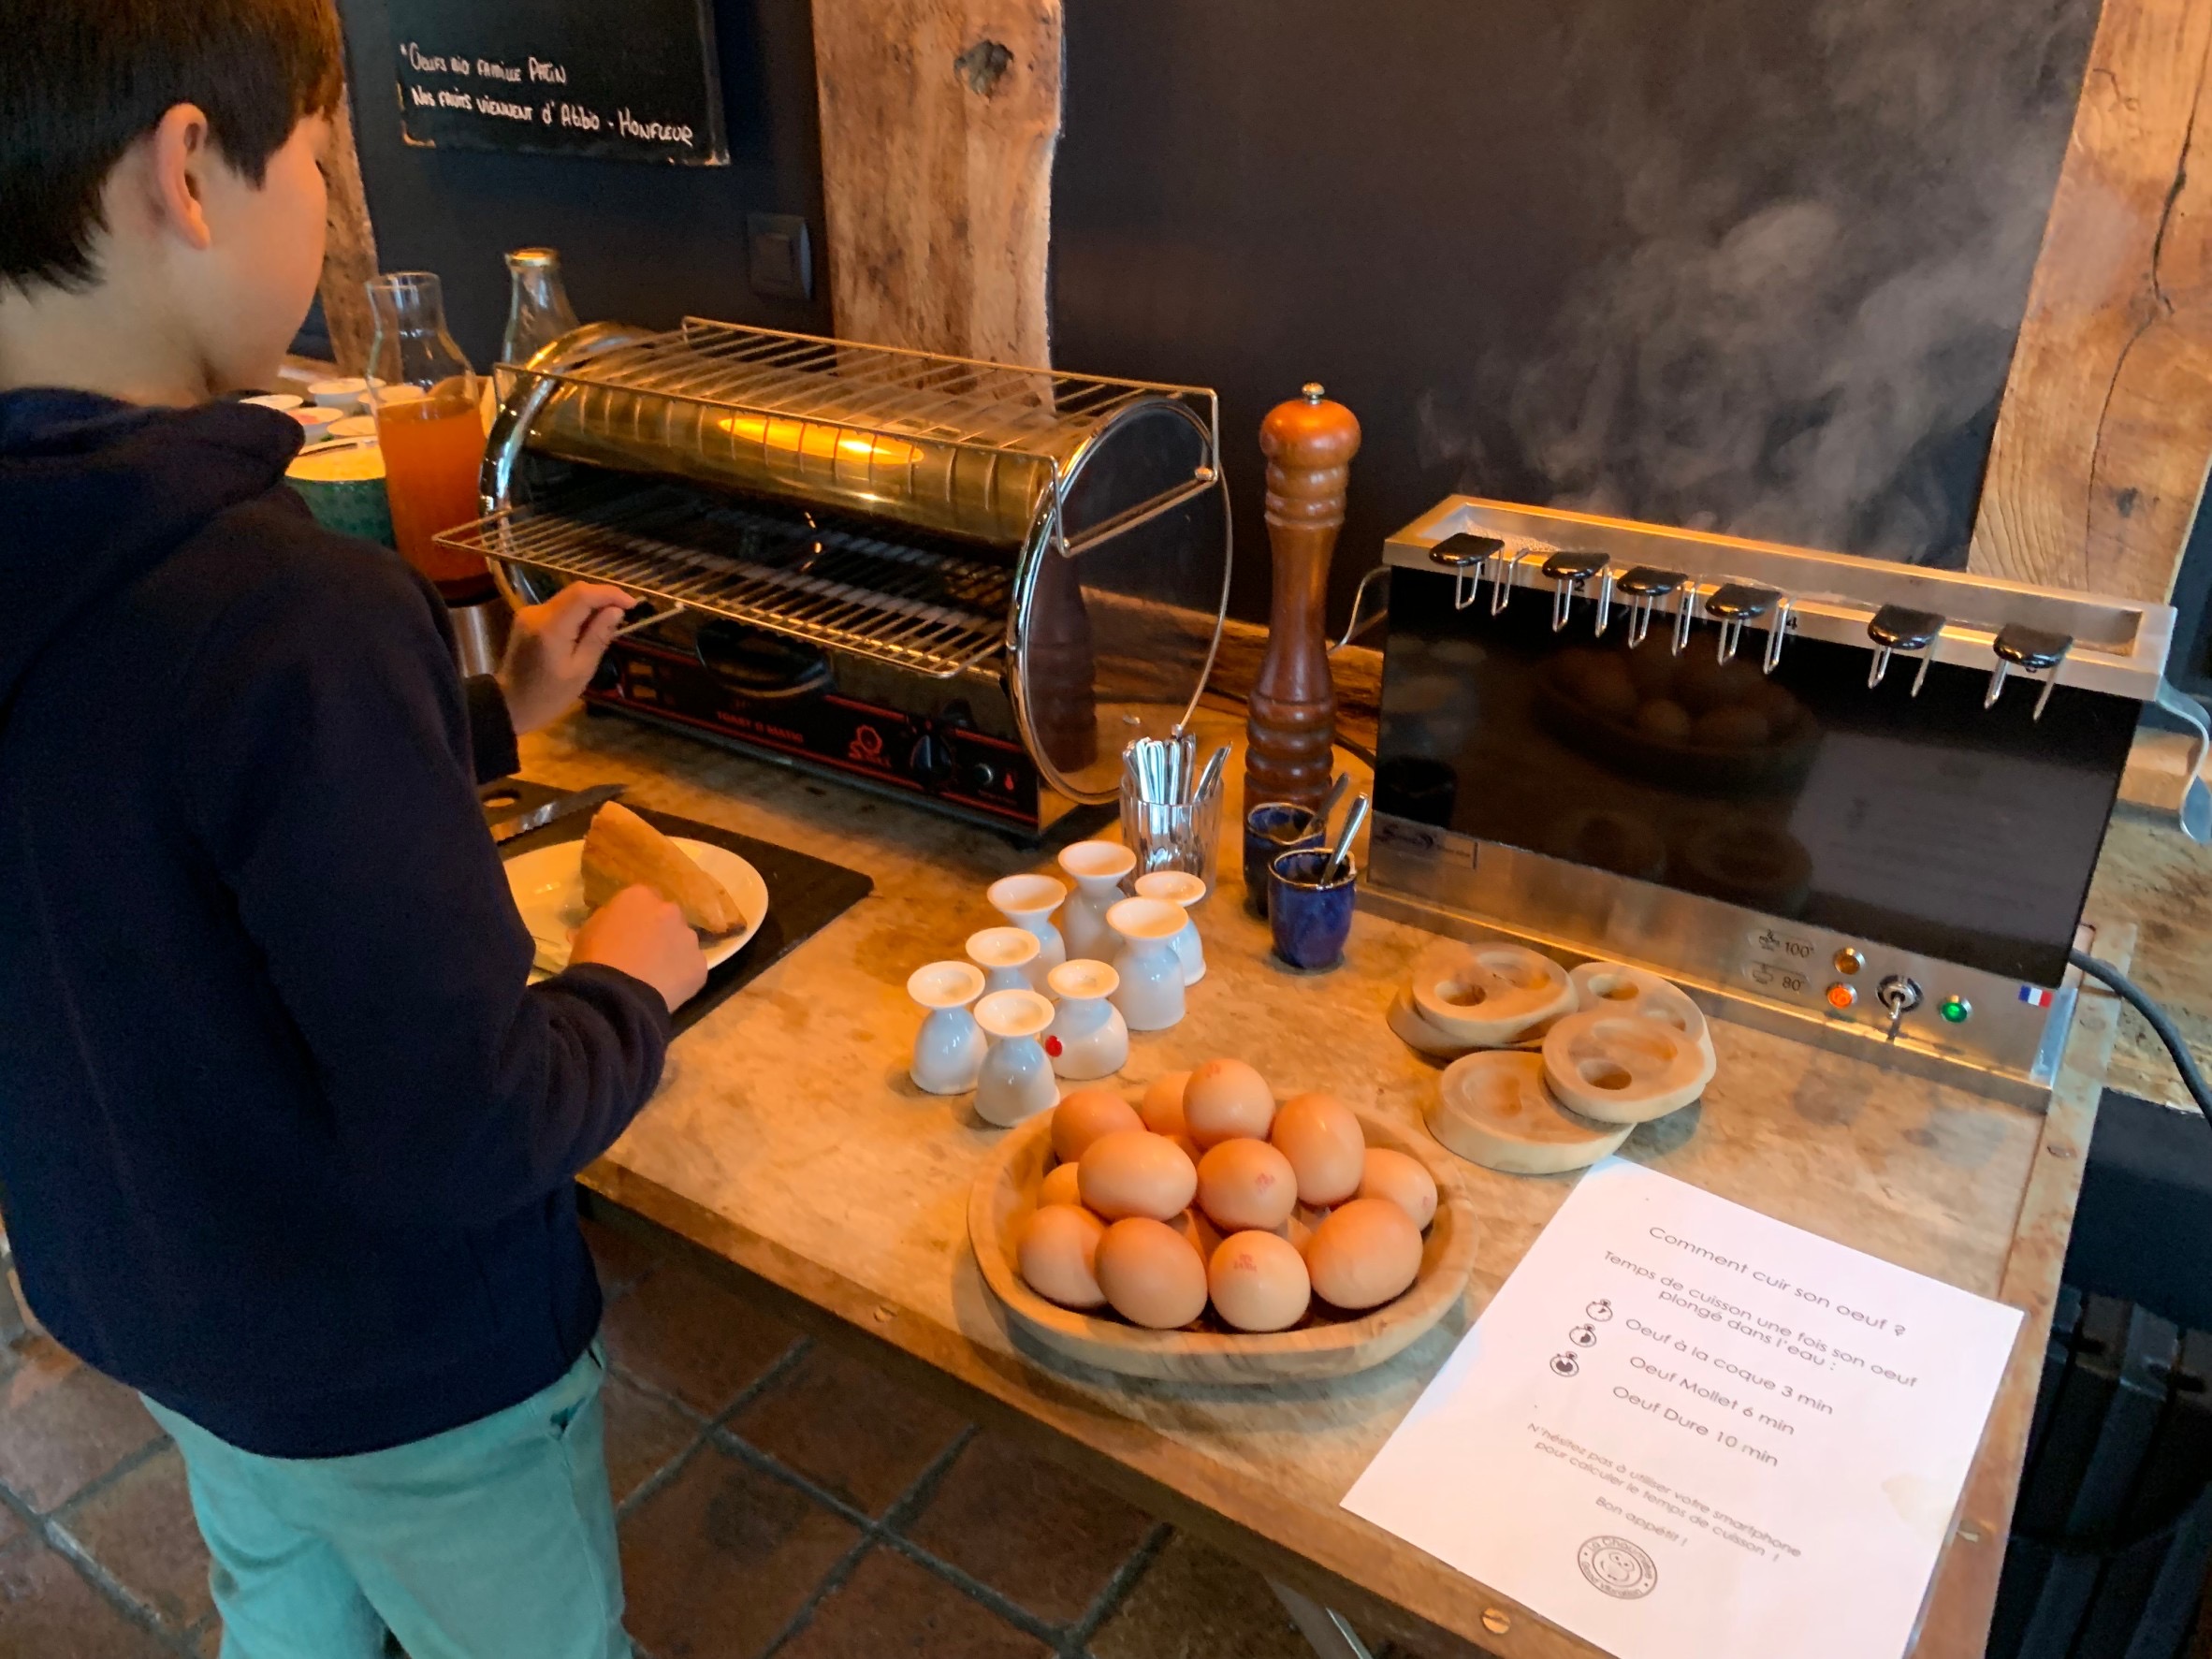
(83, 80)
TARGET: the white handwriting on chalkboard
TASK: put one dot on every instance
(502, 107)
(542, 70)
(492, 71)
(630, 127)
(573, 115)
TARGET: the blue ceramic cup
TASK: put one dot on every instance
(1272, 829)
(1311, 918)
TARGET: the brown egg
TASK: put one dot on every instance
(1258, 1281)
(1136, 1172)
(1321, 1138)
(1163, 1108)
(1401, 1179)
(1190, 1147)
(1058, 1254)
(1652, 668)
(1775, 705)
(1059, 1187)
(1246, 1183)
(1086, 1114)
(1730, 726)
(1299, 1230)
(1663, 718)
(1605, 686)
(1225, 1098)
(1705, 683)
(1198, 1232)
(1151, 1276)
(1366, 1252)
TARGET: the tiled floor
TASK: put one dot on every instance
(775, 1497)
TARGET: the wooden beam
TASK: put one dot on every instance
(2103, 436)
(938, 122)
(349, 249)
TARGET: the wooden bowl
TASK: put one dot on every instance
(1324, 1343)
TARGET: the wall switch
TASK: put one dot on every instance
(778, 257)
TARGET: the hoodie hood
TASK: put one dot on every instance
(94, 493)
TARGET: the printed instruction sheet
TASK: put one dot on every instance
(1684, 1430)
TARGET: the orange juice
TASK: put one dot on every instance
(434, 449)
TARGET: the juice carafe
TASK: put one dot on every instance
(426, 399)
(538, 311)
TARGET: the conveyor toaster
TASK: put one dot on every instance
(961, 583)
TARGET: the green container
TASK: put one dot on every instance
(343, 487)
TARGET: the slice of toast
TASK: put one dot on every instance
(622, 849)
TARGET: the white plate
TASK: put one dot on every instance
(548, 887)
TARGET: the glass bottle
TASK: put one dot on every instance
(538, 311)
(426, 399)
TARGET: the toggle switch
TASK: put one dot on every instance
(1900, 628)
(1900, 995)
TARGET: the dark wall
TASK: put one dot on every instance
(1746, 264)
(643, 243)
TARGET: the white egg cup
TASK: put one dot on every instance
(949, 1049)
(1009, 957)
(1150, 995)
(1183, 890)
(1028, 902)
(1016, 1077)
(1097, 868)
(1088, 1037)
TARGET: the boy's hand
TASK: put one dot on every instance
(555, 649)
(645, 936)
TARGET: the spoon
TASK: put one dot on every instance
(1336, 793)
(1212, 774)
(1343, 849)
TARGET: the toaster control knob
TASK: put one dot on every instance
(931, 764)
(981, 775)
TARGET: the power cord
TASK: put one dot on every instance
(2184, 1062)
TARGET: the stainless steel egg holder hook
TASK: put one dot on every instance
(2032, 651)
(1468, 559)
(1900, 628)
(1569, 573)
(1647, 587)
(1736, 605)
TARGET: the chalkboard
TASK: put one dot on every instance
(633, 81)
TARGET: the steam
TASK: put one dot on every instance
(1833, 224)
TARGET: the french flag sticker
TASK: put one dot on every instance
(2035, 997)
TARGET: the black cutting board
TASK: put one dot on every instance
(805, 894)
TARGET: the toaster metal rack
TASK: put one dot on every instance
(982, 580)
(1807, 785)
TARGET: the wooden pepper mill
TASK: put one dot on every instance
(1309, 444)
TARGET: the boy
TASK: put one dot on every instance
(284, 1142)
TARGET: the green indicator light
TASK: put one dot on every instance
(1957, 1009)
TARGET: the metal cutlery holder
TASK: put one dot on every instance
(985, 579)
(1692, 753)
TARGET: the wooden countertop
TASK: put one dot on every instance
(788, 1152)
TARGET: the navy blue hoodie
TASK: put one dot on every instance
(284, 1140)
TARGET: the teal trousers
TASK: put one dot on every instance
(495, 1540)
